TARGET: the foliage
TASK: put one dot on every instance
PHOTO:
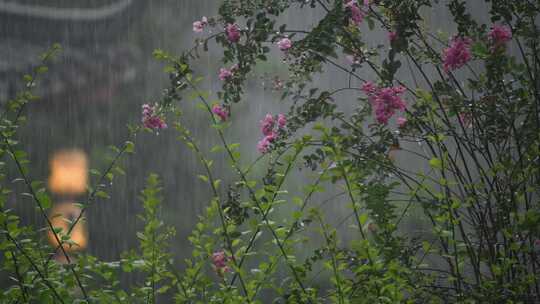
(471, 120)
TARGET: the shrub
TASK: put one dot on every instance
(469, 116)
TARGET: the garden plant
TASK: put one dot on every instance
(468, 114)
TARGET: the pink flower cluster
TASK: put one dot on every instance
(499, 36)
(225, 74)
(151, 119)
(357, 14)
(198, 26)
(220, 112)
(233, 32)
(270, 126)
(284, 44)
(385, 101)
(219, 262)
(458, 54)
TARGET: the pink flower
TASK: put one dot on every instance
(277, 84)
(271, 137)
(221, 112)
(270, 131)
(198, 26)
(225, 74)
(458, 54)
(385, 101)
(284, 44)
(353, 59)
(263, 146)
(150, 119)
(219, 262)
(499, 36)
(392, 36)
(233, 32)
(369, 88)
(357, 15)
(401, 121)
(465, 119)
(281, 121)
(267, 125)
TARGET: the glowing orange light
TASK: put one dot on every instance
(63, 216)
(69, 172)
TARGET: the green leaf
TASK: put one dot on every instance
(102, 194)
(435, 163)
(130, 147)
(216, 148)
(204, 178)
(363, 218)
(42, 69)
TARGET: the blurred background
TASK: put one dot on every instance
(92, 91)
(97, 86)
